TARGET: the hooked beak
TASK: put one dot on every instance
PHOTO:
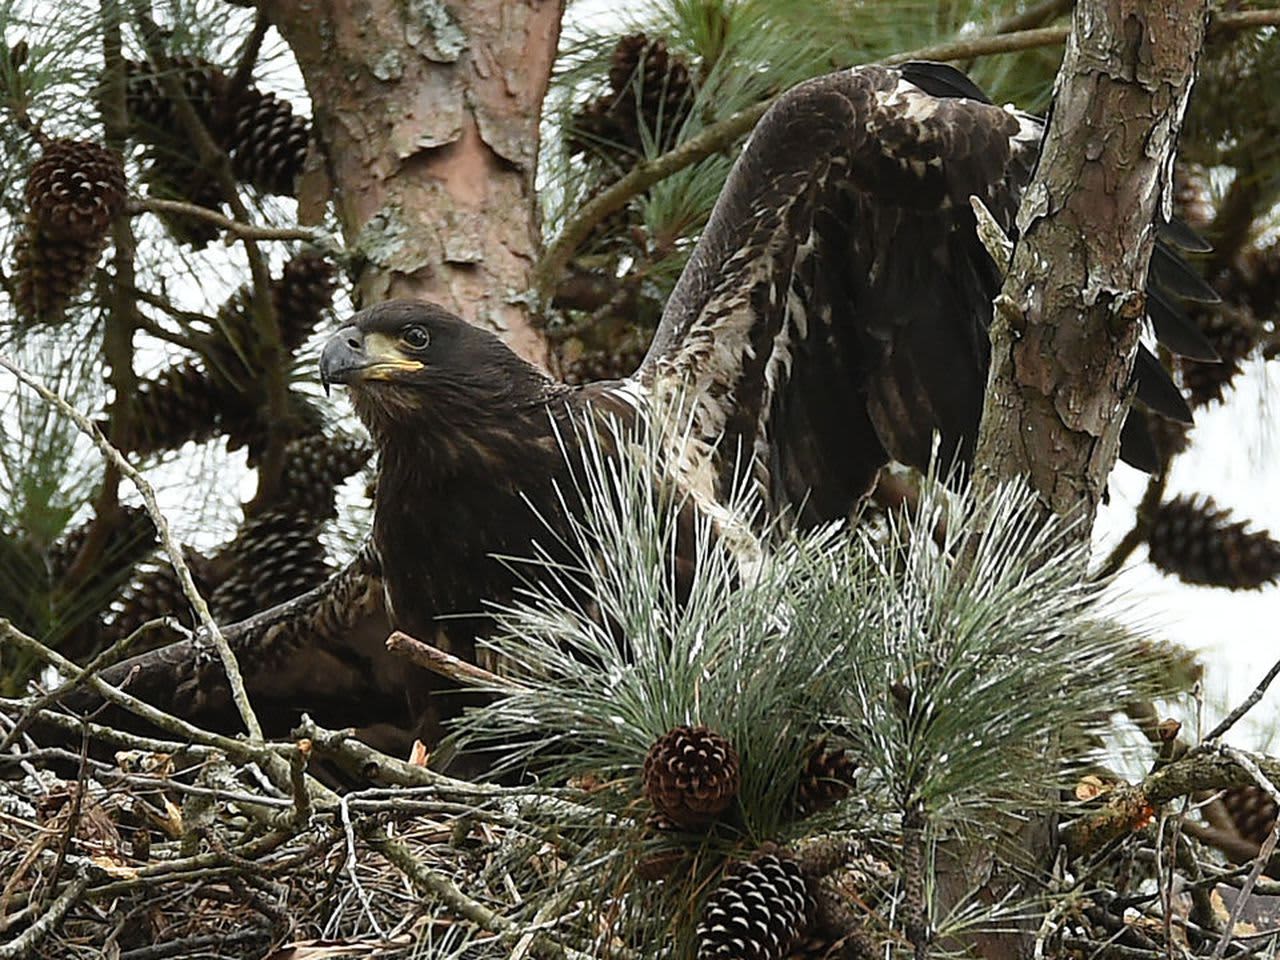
(351, 356)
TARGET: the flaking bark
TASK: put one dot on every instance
(427, 119)
(1068, 318)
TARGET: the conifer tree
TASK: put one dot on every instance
(194, 191)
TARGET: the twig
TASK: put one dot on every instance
(1137, 534)
(365, 761)
(1264, 855)
(167, 722)
(26, 941)
(248, 57)
(131, 741)
(103, 660)
(239, 228)
(429, 882)
(1250, 702)
(446, 664)
(234, 680)
(76, 805)
(718, 136)
(1202, 769)
(350, 867)
(302, 809)
(117, 332)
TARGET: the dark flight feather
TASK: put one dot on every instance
(1175, 329)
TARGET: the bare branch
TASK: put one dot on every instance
(1250, 702)
(171, 548)
(239, 228)
(446, 664)
(103, 660)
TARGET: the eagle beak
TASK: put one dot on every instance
(351, 356)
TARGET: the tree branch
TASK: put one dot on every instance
(446, 664)
(1250, 702)
(239, 228)
(1204, 769)
(171, 548)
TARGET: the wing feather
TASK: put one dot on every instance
(834, 313)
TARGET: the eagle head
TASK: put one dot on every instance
(413, 362)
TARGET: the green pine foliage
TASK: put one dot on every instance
(960, 654)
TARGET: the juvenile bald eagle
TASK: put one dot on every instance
(832, 317)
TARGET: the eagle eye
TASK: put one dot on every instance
(415, 337)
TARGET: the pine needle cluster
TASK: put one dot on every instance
(960, 655)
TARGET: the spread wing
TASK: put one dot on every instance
(834, 313)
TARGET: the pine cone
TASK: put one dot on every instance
(314, 466)
(49, 271)
(1257, 281)
(172, 175)
(1252, 811)
(275, 556)
(302, 295)
(610, 362)
(183, 404)
(691, 775)
(269, 144)
(130, 538)
(1233, 333)
(1197, 542)
(75, 190)
(1170, 437)
(624, 62)
(266, 143)
(664, 91)
(758, 912)
(204, 85)
(827, 779)
(649, 99)
(153, 593)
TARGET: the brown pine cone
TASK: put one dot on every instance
(49, 271)
(1233, 331)
(827, 779)
(1252, 811)
(269, 144)
(75, 190)
(302, 295)
(691, 775)
(1198, 542)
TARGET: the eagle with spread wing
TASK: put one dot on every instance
(832, 318)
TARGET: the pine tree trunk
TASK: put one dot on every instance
(427, 118)
(1068, 318)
